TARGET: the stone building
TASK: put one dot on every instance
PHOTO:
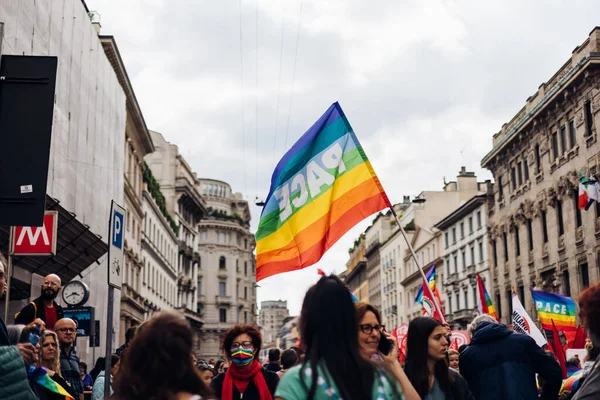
(137, 144)
(355, 275)
(227, 275)
(184, 208)
(270, 319)
(538, 236)
(376, 234)
(465, 253)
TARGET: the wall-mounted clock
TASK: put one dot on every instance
(75, 293)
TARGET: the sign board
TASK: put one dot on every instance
(116, 238)
(36, 240)
(84, 319)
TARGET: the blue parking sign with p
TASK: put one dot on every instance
(117, 230)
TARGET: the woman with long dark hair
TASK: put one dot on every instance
(426, 365)
(158, 363)
(333, 366)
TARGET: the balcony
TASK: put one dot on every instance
(561, 243)
(579, 237)
(463, 314)
(372, 247)
(452, 278)
(185, 249)
(471, 270)
(223, 300)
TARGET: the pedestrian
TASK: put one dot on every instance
(98, 389)
(289, 359)
(99, 366)
(129, 335)
(333, 366)
(44, 307)
(453, 360)
(370, 331)
(573, 365)
(274, 360)
(221, 366)
(426, 365)
(13, 359)
(589, 311)
(66, 332)
(206, 372)
(86, 379)
(245, 377)
(158, 364)
(49, 356)
(592, 353)
(502, 364)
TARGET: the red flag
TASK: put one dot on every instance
(429, 308)
(579, 340)
(320, 272)
(454, 345)
(559, 353)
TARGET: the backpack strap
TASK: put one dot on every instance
(34, 311)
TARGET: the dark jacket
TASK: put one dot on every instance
(3, 334)
(501, 364)
(28, 314)
(251, 392)
(273, 367)
(459, 388)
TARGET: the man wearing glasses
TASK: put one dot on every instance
(44, 307)
(66, 330)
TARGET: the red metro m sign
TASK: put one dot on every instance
(36, 240)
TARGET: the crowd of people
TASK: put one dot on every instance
(341, 357)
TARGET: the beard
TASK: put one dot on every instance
(49, 294)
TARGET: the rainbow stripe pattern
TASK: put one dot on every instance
(322, 187)
(40, 376)
(485, 305)
(555, 307)
(431, 279)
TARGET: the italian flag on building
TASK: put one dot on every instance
(588, 192)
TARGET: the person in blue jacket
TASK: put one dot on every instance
(501, 364)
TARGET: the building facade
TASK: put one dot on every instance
(538, 236)
(270, 319)
(355, 275)
(465, 253)
(376, 234)
(226, 291)
(137, 144)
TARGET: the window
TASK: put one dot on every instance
(544, 226)
(245, 293)
(478, 219)
(453, 235)
(513, 178)
(509, 298)
(245, 243)
(522, 295)
(222, 262)
(464, 258)
(555, 151)
(538, 164)
(517, 241)
(577, 210)
(499, 188)
(481, 251)
(466, 298)
(462, 230)
(566, 283)
(447, 262)
(526, 169)
(589, 119)
(499, 305)
(449, 303)
(246, 268)
(529, 235)
(505, 246)
(475, 297)
(245, 316)
(520, 173)
(199, 286)
(222, 288)
(222, 315)
(572, 137)
(585, 277)
(447, 241)
(559, 216)
(472, 254)
(495, 251)
(457, 302)
(563, 139)
(455, 263)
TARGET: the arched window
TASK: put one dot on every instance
(222, 262)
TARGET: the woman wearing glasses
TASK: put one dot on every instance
(245, 378)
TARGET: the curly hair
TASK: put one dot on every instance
(237, 330)
(589, 308)
(54, 364)
(362, 308)
(158, 364)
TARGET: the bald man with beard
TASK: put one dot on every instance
(44, 307)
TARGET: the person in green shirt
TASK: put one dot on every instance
(333, 367)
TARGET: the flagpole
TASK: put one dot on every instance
(414, 256)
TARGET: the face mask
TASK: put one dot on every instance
(242, 356)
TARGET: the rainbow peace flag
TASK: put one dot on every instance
(40, 376)
(485, 305)
(555, 307)
(322, 187)
(431, 279)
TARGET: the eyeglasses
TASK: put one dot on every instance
(53, 284)
(73, 330)
(245, 345)
(367, 328)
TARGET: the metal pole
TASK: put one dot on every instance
(414, 256)
(109, 329)
(8, 275)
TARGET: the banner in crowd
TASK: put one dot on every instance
(522, 322)
(484, 303)
(555, 307)
(321, 188)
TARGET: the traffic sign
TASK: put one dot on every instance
(36, 240)
(116, 234)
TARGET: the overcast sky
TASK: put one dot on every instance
(424, 83)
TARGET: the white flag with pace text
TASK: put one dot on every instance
(522, 322)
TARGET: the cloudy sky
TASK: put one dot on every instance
(425, 84)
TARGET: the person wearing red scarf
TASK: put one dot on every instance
(245, 378)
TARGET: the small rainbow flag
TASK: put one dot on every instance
(40, 376)
(555, 307)
(321, 188)
(485, 305)
(431, 279)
